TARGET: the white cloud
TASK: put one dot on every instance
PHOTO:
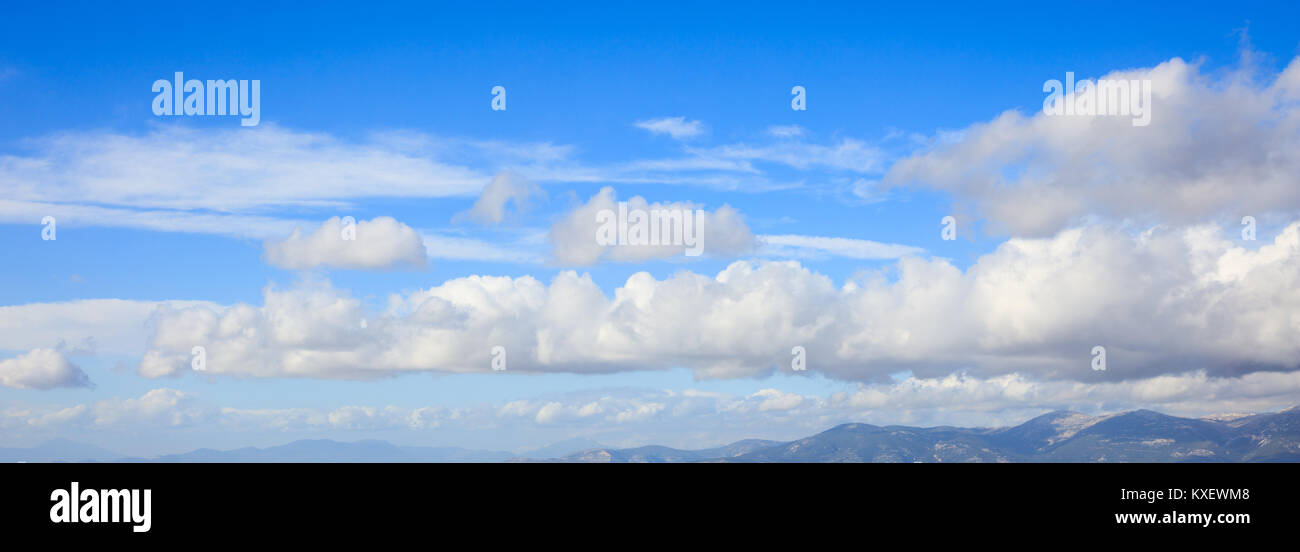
(1167, 301)
(723, 232)
(491, 204)
(1225, 147)
(786, 131)
(173, 167)
(41, 369)
(843, 247)
(607, 409)
(376, 244)
(867, 190)
(155, 409)
(677, 127)
(158, 407)
(775, 399)
(159, 220)
(736, 167)
(437, 245)
(846, 155)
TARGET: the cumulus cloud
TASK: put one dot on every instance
(313, 317)
(721, 232)
(376, 244)
(677, 127)
(775, 399)
(505, 187)
(41, 369)
(586, 410)
(1215, 147)
(156, 408)
(1166, 301)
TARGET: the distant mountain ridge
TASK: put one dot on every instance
(1061, 436)
(656, 453)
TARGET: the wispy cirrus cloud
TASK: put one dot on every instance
(786, 131)
(680, 128)
(226, 181)
(224, 170)
(794, 245)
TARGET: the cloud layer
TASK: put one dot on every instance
(687, 418)
(1166, 301)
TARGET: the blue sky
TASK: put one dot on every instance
(384, 111)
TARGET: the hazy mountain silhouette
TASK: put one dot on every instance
(1138, 436)
(57, 450)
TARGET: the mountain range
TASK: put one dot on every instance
(1137, 436)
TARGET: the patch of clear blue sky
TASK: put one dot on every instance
(577, 74)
